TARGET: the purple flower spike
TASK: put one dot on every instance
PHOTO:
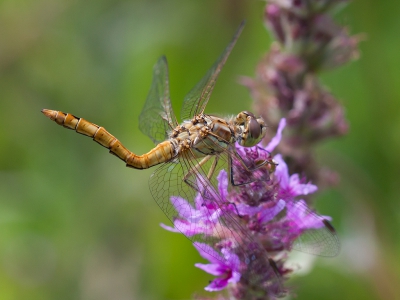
(308, 40)
(248, 228)
(226, 267)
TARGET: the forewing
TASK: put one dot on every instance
(167, 184)
(196, 100)
(321, 241)
(157, 116)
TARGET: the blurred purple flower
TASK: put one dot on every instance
(286, 83)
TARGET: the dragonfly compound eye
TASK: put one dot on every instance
(254, 131)
(254, 128)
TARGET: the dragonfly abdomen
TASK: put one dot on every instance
(161, 153)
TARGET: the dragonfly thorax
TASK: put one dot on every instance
(204, 135)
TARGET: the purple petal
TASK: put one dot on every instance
(248, 210)
(277, 138)
(190, 229)
(213, 269)
(201, 202)
(198, 201)
(226, 269)
(296, 210)
(215, 216)
(223, 184)
(183, 207)
(303, 217)
(232, 259)
(217, 284)
(169, 228)
(301, 188)
(268, 214)
(235, 277)
(292, 184)
(208, 253)
(312, 223)
(281, 172)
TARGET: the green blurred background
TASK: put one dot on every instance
(76, 224)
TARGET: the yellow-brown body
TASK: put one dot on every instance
(161, 153)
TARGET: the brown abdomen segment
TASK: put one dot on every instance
(163, 152)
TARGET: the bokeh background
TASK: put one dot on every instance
(76, 224)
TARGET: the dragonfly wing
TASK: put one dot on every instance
(157, 116)
(199, 210)
(196, 100)
(319, 236)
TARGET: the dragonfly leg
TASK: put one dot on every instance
(232, 172)
(236, 209)
(212, 168)
(250, 169)
(205, 191)
(195, 169)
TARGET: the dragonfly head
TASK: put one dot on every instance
(251, 129)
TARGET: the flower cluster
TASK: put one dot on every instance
(308, 40)
(246, 233)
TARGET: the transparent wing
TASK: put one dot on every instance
(196, 100)
(198, 209)
(157, 116)
(322, 241)
(300, 228)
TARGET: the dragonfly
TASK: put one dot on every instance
(190, 154)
